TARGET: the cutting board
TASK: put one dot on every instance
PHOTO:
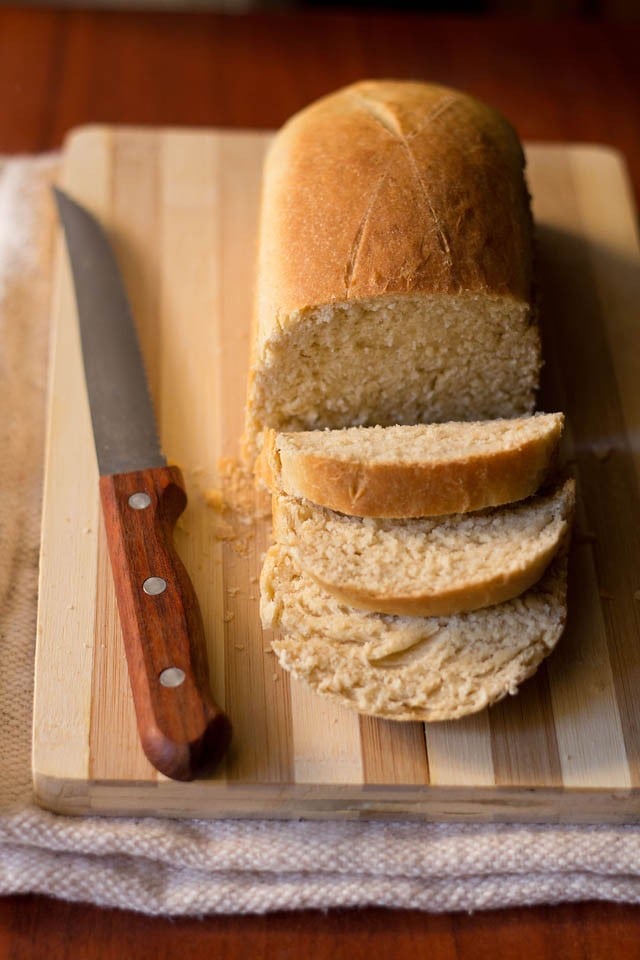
(181, 207)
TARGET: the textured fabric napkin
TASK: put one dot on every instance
(198, 867)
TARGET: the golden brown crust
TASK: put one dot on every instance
(391, 187)
(267, 464)
(425, 489)
(496, 589)
(405, 668)
(496, 585)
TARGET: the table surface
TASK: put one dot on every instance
(556, 80)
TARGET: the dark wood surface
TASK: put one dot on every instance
(563, 80)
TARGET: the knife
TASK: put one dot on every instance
(181, 729)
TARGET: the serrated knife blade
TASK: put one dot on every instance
(182, 730)
(124, 425)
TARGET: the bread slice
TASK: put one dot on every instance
(409, 668)
(394, 265)
(427, 567)
(413, 471)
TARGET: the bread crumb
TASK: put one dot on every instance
(238, 646)
(228, 616)
(223, 530)
(636, 595)
(233, 591)
(238, 486)
(235, 504)
(214, 498)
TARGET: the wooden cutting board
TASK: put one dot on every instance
(181, 207)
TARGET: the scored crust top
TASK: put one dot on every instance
(392, 187)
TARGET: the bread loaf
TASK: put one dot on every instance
(413, 471)
(409, 668)
(394, 273)
(426, 567)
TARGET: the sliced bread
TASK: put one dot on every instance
(409, 668)
(394, 264)
(413, 471)
(427, 567)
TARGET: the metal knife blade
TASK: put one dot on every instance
(182, 730)
(124, 425)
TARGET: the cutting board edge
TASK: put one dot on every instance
(135, 128)
(75, 797)
(89, 131)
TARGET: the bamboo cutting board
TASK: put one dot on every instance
(181, 207)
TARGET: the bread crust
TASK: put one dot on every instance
(408, 669)
(495, 586)
(391, 187)
(462, 599)
(425, 489)
(381, 192)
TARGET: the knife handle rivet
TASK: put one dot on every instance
(154, 585)
(172, 677)
(139, 501)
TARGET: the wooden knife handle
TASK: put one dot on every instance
(181, 729)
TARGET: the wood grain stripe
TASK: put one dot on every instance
(133, 220)
(610, 226)
(190, 281)
(241, 159)
(523, 737)
(393, 752)
(257, 690)
(460, 752)
(68, 564)
(113, 715)
(82, 512)
(326, 739)
(586, 717)
(578, 350)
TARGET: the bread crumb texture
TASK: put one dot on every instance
(441, 442)
(394, 269)
(409, 668)
(427, 566)
(410, 471)
(236, 504)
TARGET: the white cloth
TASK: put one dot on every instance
(193, 866)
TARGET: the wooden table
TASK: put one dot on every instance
(564, 81)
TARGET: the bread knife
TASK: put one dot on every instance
(181, 729)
